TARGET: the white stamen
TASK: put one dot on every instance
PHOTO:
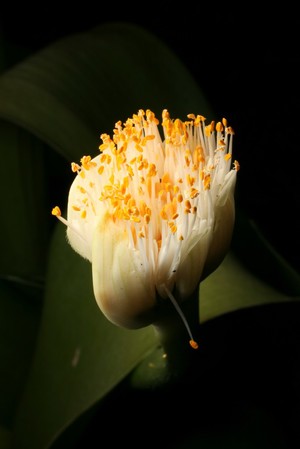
(179, 311)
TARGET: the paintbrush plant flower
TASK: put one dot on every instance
(153, 212)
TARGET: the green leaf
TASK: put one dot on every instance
(252, 274)
(24, 228)
(19, 320)
(80, 355)
(261, 258)
(233, 287)
(75, 89)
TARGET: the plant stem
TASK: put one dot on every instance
(174, 356)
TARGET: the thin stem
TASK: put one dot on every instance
(176, 331)
(174, 355)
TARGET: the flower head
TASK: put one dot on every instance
(153, 212)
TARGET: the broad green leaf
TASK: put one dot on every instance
(19, 320)
(78, 87)
(261, 258)
(233, 287)
(252, 274)
(24, 228)
(80, 355)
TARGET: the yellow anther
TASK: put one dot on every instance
(191, 116)
(129, 170)
(76, 208)
(131, 202)
(227, 156)
(163, 214)
(56, 211)
(75, 167)
(139, 148)
(152, 170)
(147, 138)
(103, 146)
(172, 227)
(201, 118)
(236, 165)
(187, 161)
(219, 127)
(187, 204)
(179, 198)
(83, 214)
(136, 139)
(208, 130)
(194, 344)
(194, 193)
(207, 182)
(190, 179)
(86, 162)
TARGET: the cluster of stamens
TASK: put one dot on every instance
(156, 189)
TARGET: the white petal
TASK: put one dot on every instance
(223, 225)
(190, 270)
(123, 290)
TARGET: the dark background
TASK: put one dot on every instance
(246, 62)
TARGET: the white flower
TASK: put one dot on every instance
(154, 215)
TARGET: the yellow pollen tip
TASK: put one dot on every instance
(56, 211)
(194, 344)
(75, 167)
(236, 165)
